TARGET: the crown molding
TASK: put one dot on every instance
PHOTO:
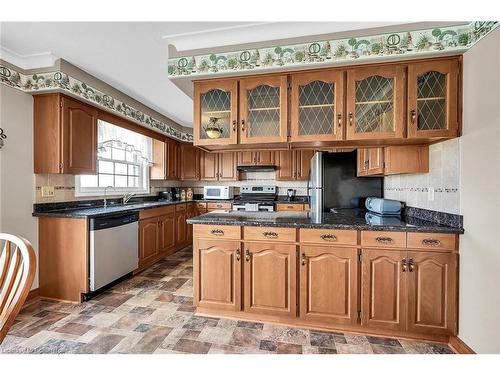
(27, 62)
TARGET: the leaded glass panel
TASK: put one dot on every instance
(431, 101)
(316, 108)
(374, 107)
(216, 103)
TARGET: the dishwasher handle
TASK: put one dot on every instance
(106, 222)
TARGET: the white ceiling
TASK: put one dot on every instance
(132, 56)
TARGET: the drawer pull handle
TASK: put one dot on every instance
(384, 240)
(270, 234)
(328, 237)
(403, 265)
(412, 264)
(237, 254)
(303, 259)
(247, 255)
(431, 242)
(217, 232)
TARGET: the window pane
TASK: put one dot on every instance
(120, 168)
(88, 180)
(106, 154)
(121, 181)
(133, 182)
(130, 156)
(118, 154)
(106, 180)
(133, 170)
(105, 167)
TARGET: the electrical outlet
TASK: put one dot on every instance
(48, 191)
(430, 194)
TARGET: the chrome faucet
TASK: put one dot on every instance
(127, 197)
(105, 195)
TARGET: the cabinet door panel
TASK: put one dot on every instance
(329, 284)
(362, 169)
(158, 170)
(286, 165)
(265, 158)
(375, 100)
(216, 99)
(148, 239)
(263, 110)
(303, 164)
(172, 160)
(317, 106)
(190, 162)
(375, 161)
(383, 289)
(166, 234)
(227, 166)
(209, 166)
(270, 279)
(181, 228)
(79, 134)
(432, 292)
(433, 99)
(246, 158)
(217, 274)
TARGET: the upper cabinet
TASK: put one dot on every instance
(189, 162)
(263, 109)
(433, 99)
(166, 161)
(216, 112)
(65, 135)
(375, 102)
(317, 105)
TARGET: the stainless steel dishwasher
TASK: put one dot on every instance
(113, 248)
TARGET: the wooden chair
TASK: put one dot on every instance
(17, 271)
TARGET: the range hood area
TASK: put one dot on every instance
(256, 168)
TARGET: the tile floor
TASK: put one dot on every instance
(153, 313)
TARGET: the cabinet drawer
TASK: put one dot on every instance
(180, 207)
(201, 206)
(328, 237)
(432, 241)
(290, 207)
(223, 232)
(383, 239)
(219, 205)
(270, 234)
(153, 212)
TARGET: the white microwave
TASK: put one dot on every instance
(218, 192)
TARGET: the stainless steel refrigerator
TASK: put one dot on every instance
(333, 182)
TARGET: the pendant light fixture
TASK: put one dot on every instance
(213, 129)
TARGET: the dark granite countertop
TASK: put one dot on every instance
(341, 219)
(100, 211)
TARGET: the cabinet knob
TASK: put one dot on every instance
(385, 240)
(328, 237)
(234, 125)
(403, 265)
(303, 259)
(272, 235)
(217, 232)
(411, 264)
(413, 116)
(247, 255)
(350, 118)
(339, 119)
(242, 125)
(431, 242)
(237, 254)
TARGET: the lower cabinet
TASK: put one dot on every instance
(148, 239)
(166, 233)
(217, 281)
(329, 284)
(181, 226)
(414, 291)
(270, 279)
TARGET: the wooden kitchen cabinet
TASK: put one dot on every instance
(384, 161)
(189, 162)
(216, 99)
(181, 227)
(433, 99)
(191, 211)
(217, 285)
(65, 135)
(383, 296)
(148, 240)
(337, 268)
(166, 233)
(256, 158)
(263, 109)
(291, 206)
(432, 292)
(375, 102)
(293, 165)
(166, 164)
(270, 279)
(317, 106)
(173, 168)
(219, 166)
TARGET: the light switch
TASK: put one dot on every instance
(48, 191)
(430, 194)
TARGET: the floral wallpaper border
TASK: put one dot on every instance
(39, 82)
(435, 41)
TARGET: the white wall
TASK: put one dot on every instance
(16, 167)
(443, 177)
(479, 198)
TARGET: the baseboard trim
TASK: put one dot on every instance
(459, 346)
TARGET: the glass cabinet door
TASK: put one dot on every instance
(215, 117)
(317, 106)
(375, 100)
(263, 109)
(433, 99)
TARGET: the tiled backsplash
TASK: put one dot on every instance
(443, 177)
(65, 185)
